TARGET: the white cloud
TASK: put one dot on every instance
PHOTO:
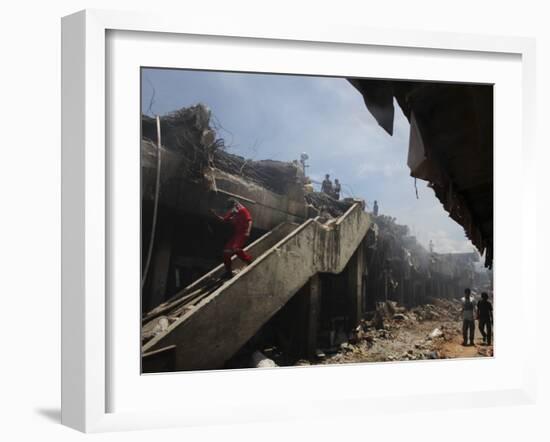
(388, 170)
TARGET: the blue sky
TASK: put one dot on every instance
(280, 116)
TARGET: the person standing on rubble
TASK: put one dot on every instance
(326, 186)
(468, 322)
(239, 217)
(337, 189)
(375, 208)
(485, 318)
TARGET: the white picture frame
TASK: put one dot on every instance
(87, 316)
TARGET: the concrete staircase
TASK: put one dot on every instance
(207, 335)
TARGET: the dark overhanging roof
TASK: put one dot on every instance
(451, 145)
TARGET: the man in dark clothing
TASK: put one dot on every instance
(375, 208)
(337, 189)
(485, 318)
(326, 186)
(239, 217)
(468, 322)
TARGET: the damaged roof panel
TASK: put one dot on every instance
(451, 145)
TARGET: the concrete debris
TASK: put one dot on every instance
(445, 309)
(378, 320)
(409, 336)
(390, 307)
(399, 317)
(328, 205)
(259, 360)
(187, 133)
(384, 334)
(485, 351)
(436, 333)
(156, 327)
(346, 346)
(320, 354)
(192, 135)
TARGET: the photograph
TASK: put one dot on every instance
(300, 220)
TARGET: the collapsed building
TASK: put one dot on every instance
(319, 264)
(400, 269)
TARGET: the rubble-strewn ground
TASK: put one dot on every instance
(431, 331)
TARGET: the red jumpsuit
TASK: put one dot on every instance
(239, 218)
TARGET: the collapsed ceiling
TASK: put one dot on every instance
(450, 145)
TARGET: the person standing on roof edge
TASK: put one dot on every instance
(326, 186)
(239, 217)
(468, 322)
(337, 189)
(375, 208)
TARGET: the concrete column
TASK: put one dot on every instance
(314, 306)
(365, 291)
(405, 284)
(160, 264)
(355, 284)
(402, 291)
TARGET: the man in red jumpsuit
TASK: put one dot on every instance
(240, 219)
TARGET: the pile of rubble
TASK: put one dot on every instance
(187, 133)
(190, 133)
(439, 309)
(394, 333)
(377, 346)
(325, 203)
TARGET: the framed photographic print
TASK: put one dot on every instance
(260, 224)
